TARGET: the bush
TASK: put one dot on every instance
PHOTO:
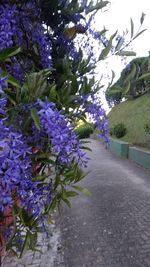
(111, 131)
(119, 130)
(147, 128)
(84, 130)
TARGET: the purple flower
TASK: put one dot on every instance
(16, 173)
(16, 70)
(61, 134)
(16, 29)
(128, 67)
(76, 17)
(2, 84)
(7, 25)
(97, 114)
(68, 45)
(44, 45)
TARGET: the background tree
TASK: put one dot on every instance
(134, 81)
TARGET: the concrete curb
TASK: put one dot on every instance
(120, 148)
(126, 150)
(140, 156)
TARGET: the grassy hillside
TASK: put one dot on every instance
(134, 114)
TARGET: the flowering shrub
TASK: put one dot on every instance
(46, 86)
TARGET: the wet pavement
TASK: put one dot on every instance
(109, 229)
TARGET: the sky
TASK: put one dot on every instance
(117, 17)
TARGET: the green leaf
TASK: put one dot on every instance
(57, 181)
(33, 240)
(80, 174)
(42, 156)
(70, 32)
(119, 44)
(67, 202)
(86, 148)
(25, 245)
(107, 49)
(11, 79)
(50, 161)
(85, 141)
(114, 91)
(127, 88)
(53, 92)
(142, 18)
(132, 27)
(11, 99)
(71, 193)
(139, 33)
(126, 53)
(39, 178)
(60, 208)
(102, 32)
(36, 85)
(25, 217)
(112, 79)
(146, 75)
(9, 52)
(98, 6)
(14, 253)
(35, 117)
(52, 205)
(83, 190)
(49, 219)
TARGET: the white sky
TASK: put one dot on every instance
(118, 18)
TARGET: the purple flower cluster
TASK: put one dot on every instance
(16, 70)
(76, 17)
(7, 25)
(15, 156)
(14, 163)
(16, 170)
(97, 115)
(15, 173)
(61, 134)
(16, 29)
(3, 102)
(68, 45)
(2, 84)
(44, 45)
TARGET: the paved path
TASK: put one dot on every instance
(112, 228)
(109, 229)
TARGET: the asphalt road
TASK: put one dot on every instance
(112, 227)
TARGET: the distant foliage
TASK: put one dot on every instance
(84, 130)
(133, 82)
(111, 131)
(119, 130)
(147, 128)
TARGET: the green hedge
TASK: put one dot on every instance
(119, 130)
(84, 130)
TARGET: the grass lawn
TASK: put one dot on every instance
(134, 114)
